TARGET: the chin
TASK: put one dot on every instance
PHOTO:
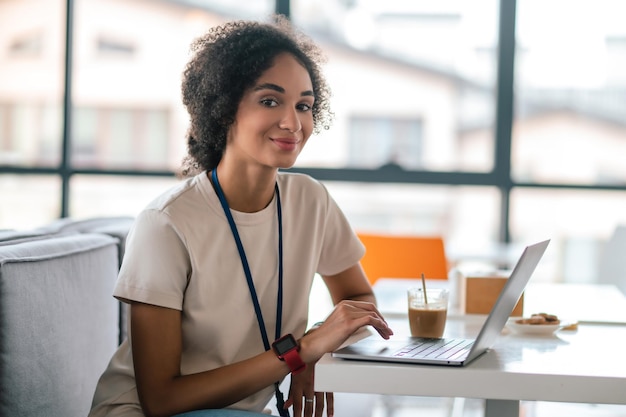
(285, 166)
(285, 163)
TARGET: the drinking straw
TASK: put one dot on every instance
(424, 288)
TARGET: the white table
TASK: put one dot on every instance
(566, 367)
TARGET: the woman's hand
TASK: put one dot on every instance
(305, 401)
(347, 317)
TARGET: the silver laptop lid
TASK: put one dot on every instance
(508, 298)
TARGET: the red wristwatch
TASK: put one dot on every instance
(286, 348)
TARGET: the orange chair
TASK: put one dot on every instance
(403, 257)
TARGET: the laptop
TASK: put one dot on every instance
(452, 351)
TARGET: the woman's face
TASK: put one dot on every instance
(274, 119)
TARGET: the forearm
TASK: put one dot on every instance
(217, 388)
(368, 297)
(351, 284)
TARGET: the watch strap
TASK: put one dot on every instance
(287, 350)
(294, 361)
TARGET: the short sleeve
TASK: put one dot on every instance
(156, 263)
(341, 246)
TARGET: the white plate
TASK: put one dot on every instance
(536, 329)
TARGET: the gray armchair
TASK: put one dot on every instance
(58, 321)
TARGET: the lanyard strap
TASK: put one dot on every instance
(246, 269)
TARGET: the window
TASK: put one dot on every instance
(31, 87)
(27, 45)
(427, 138)
(431, 63)
(112, 47)
(120, 138)
(577, 221)
(29, 134)
(570, 124)
(28, 200)
(98, 196)
(378, 141)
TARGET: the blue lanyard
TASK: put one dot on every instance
(246, 270)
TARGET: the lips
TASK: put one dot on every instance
(286, 144)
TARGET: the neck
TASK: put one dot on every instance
(246, 192)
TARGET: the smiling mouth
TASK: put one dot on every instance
(286, 144)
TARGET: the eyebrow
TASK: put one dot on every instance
(279, 89)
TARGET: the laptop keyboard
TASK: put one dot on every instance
(435, 348)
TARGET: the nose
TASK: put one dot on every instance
(290, 120)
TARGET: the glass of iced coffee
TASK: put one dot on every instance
(427, 314)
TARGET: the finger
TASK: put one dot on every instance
(365, 305)
(362, 319)
(297, 403)
(381, 326)
(330, 404)
(319, 404)
(297, 406)
(362, 308)
(384, 330)
(309, 403)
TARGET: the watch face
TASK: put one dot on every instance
(285, 344)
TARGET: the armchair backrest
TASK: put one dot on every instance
(58, 322)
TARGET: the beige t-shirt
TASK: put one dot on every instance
(181, 254)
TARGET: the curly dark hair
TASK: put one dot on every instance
(227, 61)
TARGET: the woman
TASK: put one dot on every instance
(218, 270)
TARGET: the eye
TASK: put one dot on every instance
(304, 107)
(269, 102)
